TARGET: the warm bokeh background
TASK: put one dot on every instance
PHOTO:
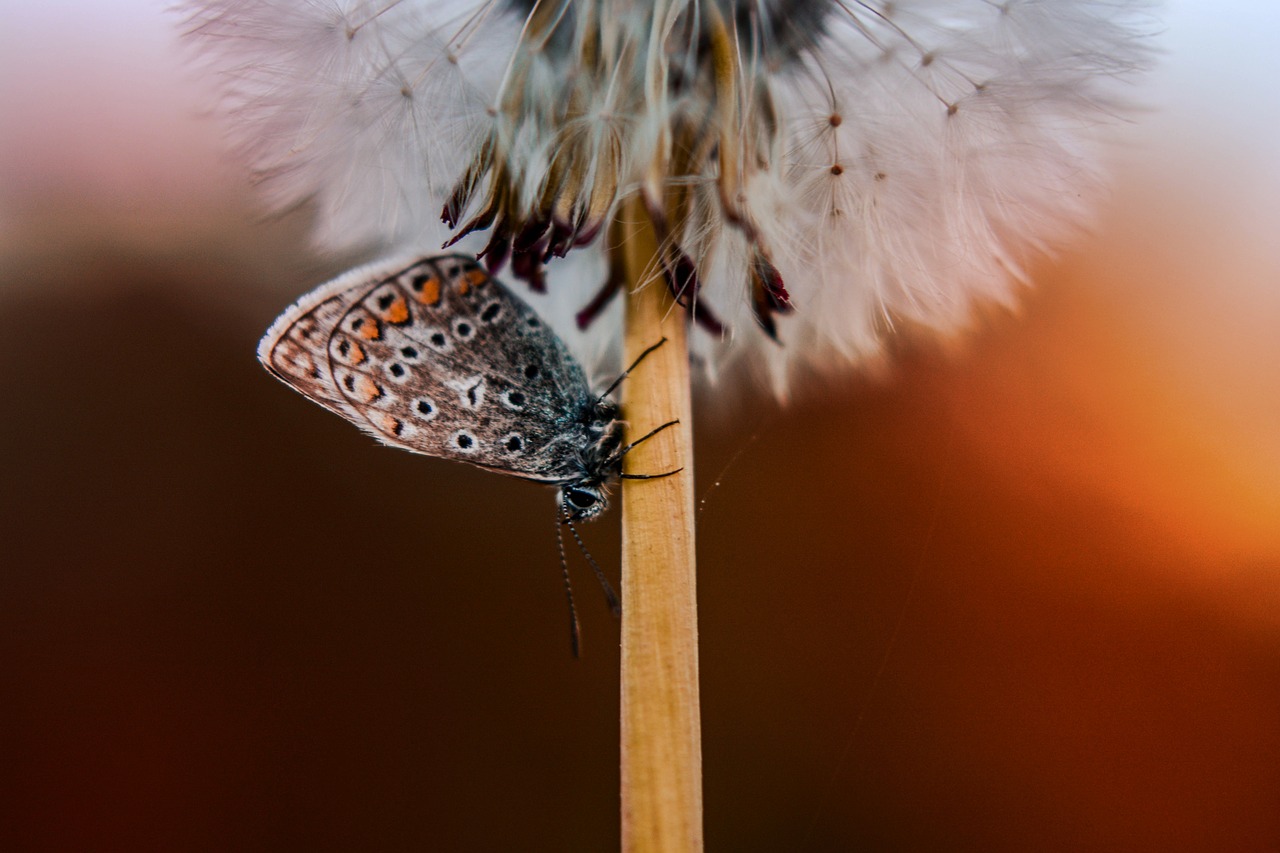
(1020, 595)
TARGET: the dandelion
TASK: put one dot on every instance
(816, 170)
(803, 174)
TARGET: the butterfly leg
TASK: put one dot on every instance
(650, 476)
(650, 434)
(633, 366)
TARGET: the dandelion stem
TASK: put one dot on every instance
(661, 728)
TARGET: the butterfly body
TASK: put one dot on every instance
(436, 357)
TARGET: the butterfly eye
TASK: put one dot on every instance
(583, 504)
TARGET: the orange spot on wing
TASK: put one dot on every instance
(356, 355)
(471, 279)
(367, 390)
(390, 424)
(369, 330)
(397, 312)
(430, 294)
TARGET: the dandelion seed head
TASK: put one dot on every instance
(816, 171)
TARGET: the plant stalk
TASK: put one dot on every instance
(661, 727)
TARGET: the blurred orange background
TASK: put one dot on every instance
(1019, 593)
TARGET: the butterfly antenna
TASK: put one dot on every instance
(610, 596)
(568, 590)
(633, 366)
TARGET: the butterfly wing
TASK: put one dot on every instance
(437, 357)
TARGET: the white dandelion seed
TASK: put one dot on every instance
(817, 169)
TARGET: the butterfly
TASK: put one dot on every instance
(435, 356)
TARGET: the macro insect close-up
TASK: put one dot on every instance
(436, 357)
(913, 362)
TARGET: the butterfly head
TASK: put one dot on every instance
(583, 501)
(598, 464)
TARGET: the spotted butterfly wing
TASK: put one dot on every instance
(437, 357)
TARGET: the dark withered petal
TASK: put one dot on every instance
(527, 267)
(612, 287)
(769, 295)
(682, 278)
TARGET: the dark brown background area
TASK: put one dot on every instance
(1018, 595)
